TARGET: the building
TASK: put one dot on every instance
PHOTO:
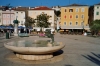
(56, 8)
(33, 13)
(97, 12)
(0, 17)
(74, 17)
(8, 16)
(20, 14)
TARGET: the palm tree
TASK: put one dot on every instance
(42, 20)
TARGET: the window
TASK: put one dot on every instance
(76, 23)
(64, 23)
(77, 10)
(12, 16)
(4, 16)
(76, 16)
(70, 10)
(82, 16)
(65, 10)
(97, 7)
(82, 10)
(97, 13)
(21, 22)
(70, 23)
(8, 16)
(70, 16)
(65, 16)
(8, 22)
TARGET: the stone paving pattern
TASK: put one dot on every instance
(79, 51)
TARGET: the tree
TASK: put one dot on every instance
(29, 22)
(42, 21)
(95, 27)
(57, 13)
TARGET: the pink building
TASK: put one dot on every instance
(8, 17)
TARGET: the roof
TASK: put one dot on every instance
(97, 4)
(74, 5)
(21, 8)
(42, 8)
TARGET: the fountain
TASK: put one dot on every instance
(34, 49)
(15, 27)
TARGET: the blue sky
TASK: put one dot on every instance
(48, 3)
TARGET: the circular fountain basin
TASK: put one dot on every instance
(34, 50)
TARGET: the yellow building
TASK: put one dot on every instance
(74, 17)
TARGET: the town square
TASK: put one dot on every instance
(49, 33)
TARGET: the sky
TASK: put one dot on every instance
(49, 3)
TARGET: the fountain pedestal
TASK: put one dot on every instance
(34, 50)
(34, 57)
(16, 30)
(15, 27)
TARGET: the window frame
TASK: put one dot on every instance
(97, 13)
(70, 23)
(77, 17)
(65, 23)
(77, 10)
(82, 9)
(76, 24)
(70, 10)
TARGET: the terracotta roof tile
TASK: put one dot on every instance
(42, 8)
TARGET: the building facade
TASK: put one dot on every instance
(74, 17)
(0, 17)
(33, 13)
(8, 17)
(56, 8)
(20, 15)
(97, 12)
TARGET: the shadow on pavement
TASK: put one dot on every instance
(68, 65)
(95, 58)
(58, 53)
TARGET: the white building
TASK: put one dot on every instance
(8, 17)
(20, 15)
(97, 12)
(0, 17)
(33, 13)
(57, 8)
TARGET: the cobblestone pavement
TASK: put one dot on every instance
(79, 51)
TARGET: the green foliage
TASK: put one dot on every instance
(57, 13)
(29, 22)
(95, 25)
(42, 20)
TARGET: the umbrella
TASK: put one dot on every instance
(21, 27)
(9, 27)
(2, 27)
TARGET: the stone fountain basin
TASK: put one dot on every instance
(33, 50)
